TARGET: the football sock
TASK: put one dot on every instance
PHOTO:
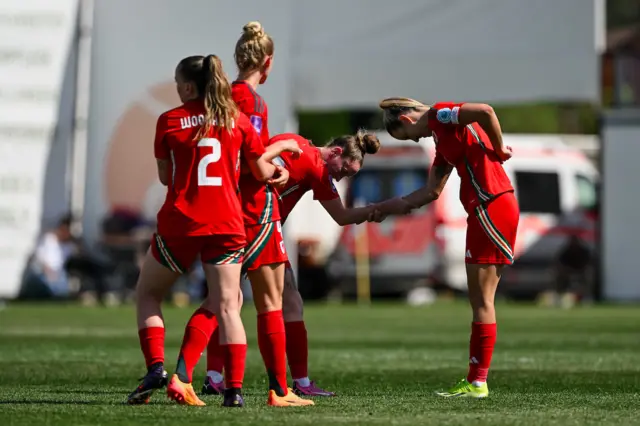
(297, 349)
(271, 340)
(235, 356)
(196, 335)
(152, 345)
(482, 342)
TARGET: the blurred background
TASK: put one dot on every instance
(83, 82)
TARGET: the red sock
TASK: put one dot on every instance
(196, 335)
(152, 344)
(297, 348)
(215, 356)
(273, 347)
(483, 339)
(235, 356)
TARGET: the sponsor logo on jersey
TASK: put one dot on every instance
(256, 122)
(444, 115)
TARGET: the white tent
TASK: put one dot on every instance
(353, 53)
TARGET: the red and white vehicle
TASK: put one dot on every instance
(555, 183)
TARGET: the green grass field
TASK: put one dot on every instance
(67, 365)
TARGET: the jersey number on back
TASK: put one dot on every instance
(203, 179)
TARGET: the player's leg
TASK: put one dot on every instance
(491, 236)
(296, 335)
(264, 263)
(223, 277)
(160, 269)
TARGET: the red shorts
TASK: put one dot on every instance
(179, 253)
(491, 231)
(265, 246)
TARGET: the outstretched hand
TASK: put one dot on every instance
(397, 205)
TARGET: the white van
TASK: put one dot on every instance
(554, 183)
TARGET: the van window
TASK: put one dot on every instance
(372, 186)
(538, 192)
(587, 192)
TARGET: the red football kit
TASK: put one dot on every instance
(265, 244)
(485, 189)
(306, 172)
(201, 213)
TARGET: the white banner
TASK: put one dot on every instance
(132, 83)
(35, 41)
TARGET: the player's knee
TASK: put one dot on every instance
(292, 305)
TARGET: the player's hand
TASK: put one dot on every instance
(505, 154)
(396, 206)
(376, 216)
(281, 178)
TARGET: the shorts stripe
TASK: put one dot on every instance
(255, 247)
(230, 258)
(268, 206)
(167, 259)
(493, 233)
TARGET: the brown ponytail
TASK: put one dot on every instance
(393, 108)
(214, 88)
(354, 147)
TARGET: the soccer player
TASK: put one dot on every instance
(265, 254)
(468, 138)
(315, 170)
(197, 146)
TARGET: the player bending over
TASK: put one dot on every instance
(467, 137)
(313, 170)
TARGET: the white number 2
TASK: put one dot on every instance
(203, 179)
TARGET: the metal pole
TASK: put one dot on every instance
(80, 137)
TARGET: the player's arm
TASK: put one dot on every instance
(438, 177)
(346, 216)
(486, 117)
(274, 150)
(161, 151)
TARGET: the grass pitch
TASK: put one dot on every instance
(65, 365)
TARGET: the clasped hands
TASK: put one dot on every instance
(393, 206)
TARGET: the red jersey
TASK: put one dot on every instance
(307, 172)
(470, 151)
(202, 190)
(259, 204)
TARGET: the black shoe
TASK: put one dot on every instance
(233, 398)
(155, 379)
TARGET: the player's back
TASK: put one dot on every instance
(202, 188)
(306, 172)
(469, 149)
(259, 200)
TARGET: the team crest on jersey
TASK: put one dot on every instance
(256, 122)
(333, 185)
(444, 115)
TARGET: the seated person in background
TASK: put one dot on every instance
(573, 264)
(46, 276)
